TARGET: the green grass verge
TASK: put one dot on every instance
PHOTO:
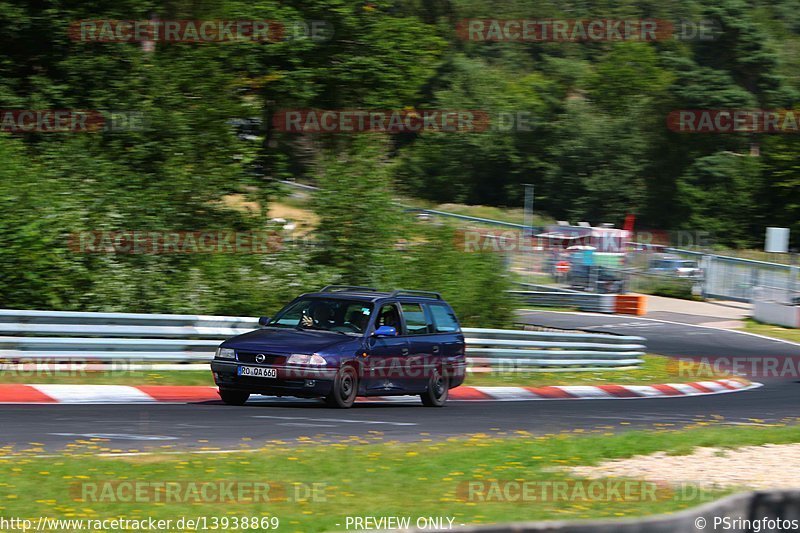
(768, 330)
(365, 477)
(656, 369)
(536, 279)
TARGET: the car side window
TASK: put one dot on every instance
(416, 321)
(389, 315)
(444, 320)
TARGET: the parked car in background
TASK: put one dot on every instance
(596, 279)
(674, 266)
(343, 342)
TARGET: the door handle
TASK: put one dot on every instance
(436, 349)
(404, 351)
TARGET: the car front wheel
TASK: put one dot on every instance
(345, 388)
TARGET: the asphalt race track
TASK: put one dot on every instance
(215, 428)
(669, 337)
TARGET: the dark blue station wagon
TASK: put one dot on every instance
(346, 341)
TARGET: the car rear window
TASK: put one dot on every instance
(444, 320)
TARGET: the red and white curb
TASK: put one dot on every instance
(123, 394)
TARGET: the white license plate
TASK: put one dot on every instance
(258, 372)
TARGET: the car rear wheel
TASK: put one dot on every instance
(437, 391)
(345, 388)
(232, 397)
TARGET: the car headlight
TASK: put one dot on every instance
(305, 359)
(226, 353)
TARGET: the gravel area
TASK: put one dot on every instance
(770, 466)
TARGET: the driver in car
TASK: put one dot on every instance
(317, 316)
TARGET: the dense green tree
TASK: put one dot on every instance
(595, 142)
(359, 226)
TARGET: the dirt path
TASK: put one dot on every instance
(769, 466)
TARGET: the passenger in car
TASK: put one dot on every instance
(358, 320)
(389, 317)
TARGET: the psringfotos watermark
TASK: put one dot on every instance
(349, 121)
(69, 121)
(734, 120)
(756, 525)
(181, 491)
(197, 31)
(531, 30)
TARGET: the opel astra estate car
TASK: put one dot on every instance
(346, 341)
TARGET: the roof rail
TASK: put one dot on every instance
(335, 288)
(408, 292)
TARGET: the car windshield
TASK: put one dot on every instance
(326, 314)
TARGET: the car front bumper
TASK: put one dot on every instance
(291, 381)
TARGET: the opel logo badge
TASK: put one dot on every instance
(260, 358)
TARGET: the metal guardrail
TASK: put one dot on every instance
(543, 288)
(511, 350)
(469, 218)
(482, 220)
(598, 303)
(24, 316)
(54, 336)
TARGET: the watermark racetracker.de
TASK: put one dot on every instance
(734, 121)
(393, 121)
(53, 364)
(531, 30)
(194, 491)
(197, 31)
(69, 121)
(579, 490)
(177, 242)
(511, 240)
(754, 367)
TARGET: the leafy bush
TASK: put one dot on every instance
(473, 283)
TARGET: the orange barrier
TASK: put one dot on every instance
(630, 305)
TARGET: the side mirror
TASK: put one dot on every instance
(263, 321)
(385, 331)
